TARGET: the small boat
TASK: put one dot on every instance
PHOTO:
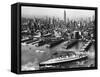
(87, 46)
(56, 42)
(71, 43)
(41, 43)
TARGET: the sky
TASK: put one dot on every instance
(27, 11)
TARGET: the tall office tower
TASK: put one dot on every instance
(64, 16)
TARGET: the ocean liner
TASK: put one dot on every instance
(64, 59)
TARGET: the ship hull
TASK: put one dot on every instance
(56, 63)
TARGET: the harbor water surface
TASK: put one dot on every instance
(32, 56)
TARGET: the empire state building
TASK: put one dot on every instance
(64, 16)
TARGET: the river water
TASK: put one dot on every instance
(32, 56)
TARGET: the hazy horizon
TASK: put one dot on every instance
(27, 11)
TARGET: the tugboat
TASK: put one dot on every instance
(55, 42)
(71, 43)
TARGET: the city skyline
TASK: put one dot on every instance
(55, 12)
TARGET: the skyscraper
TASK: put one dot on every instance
(64, 16)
